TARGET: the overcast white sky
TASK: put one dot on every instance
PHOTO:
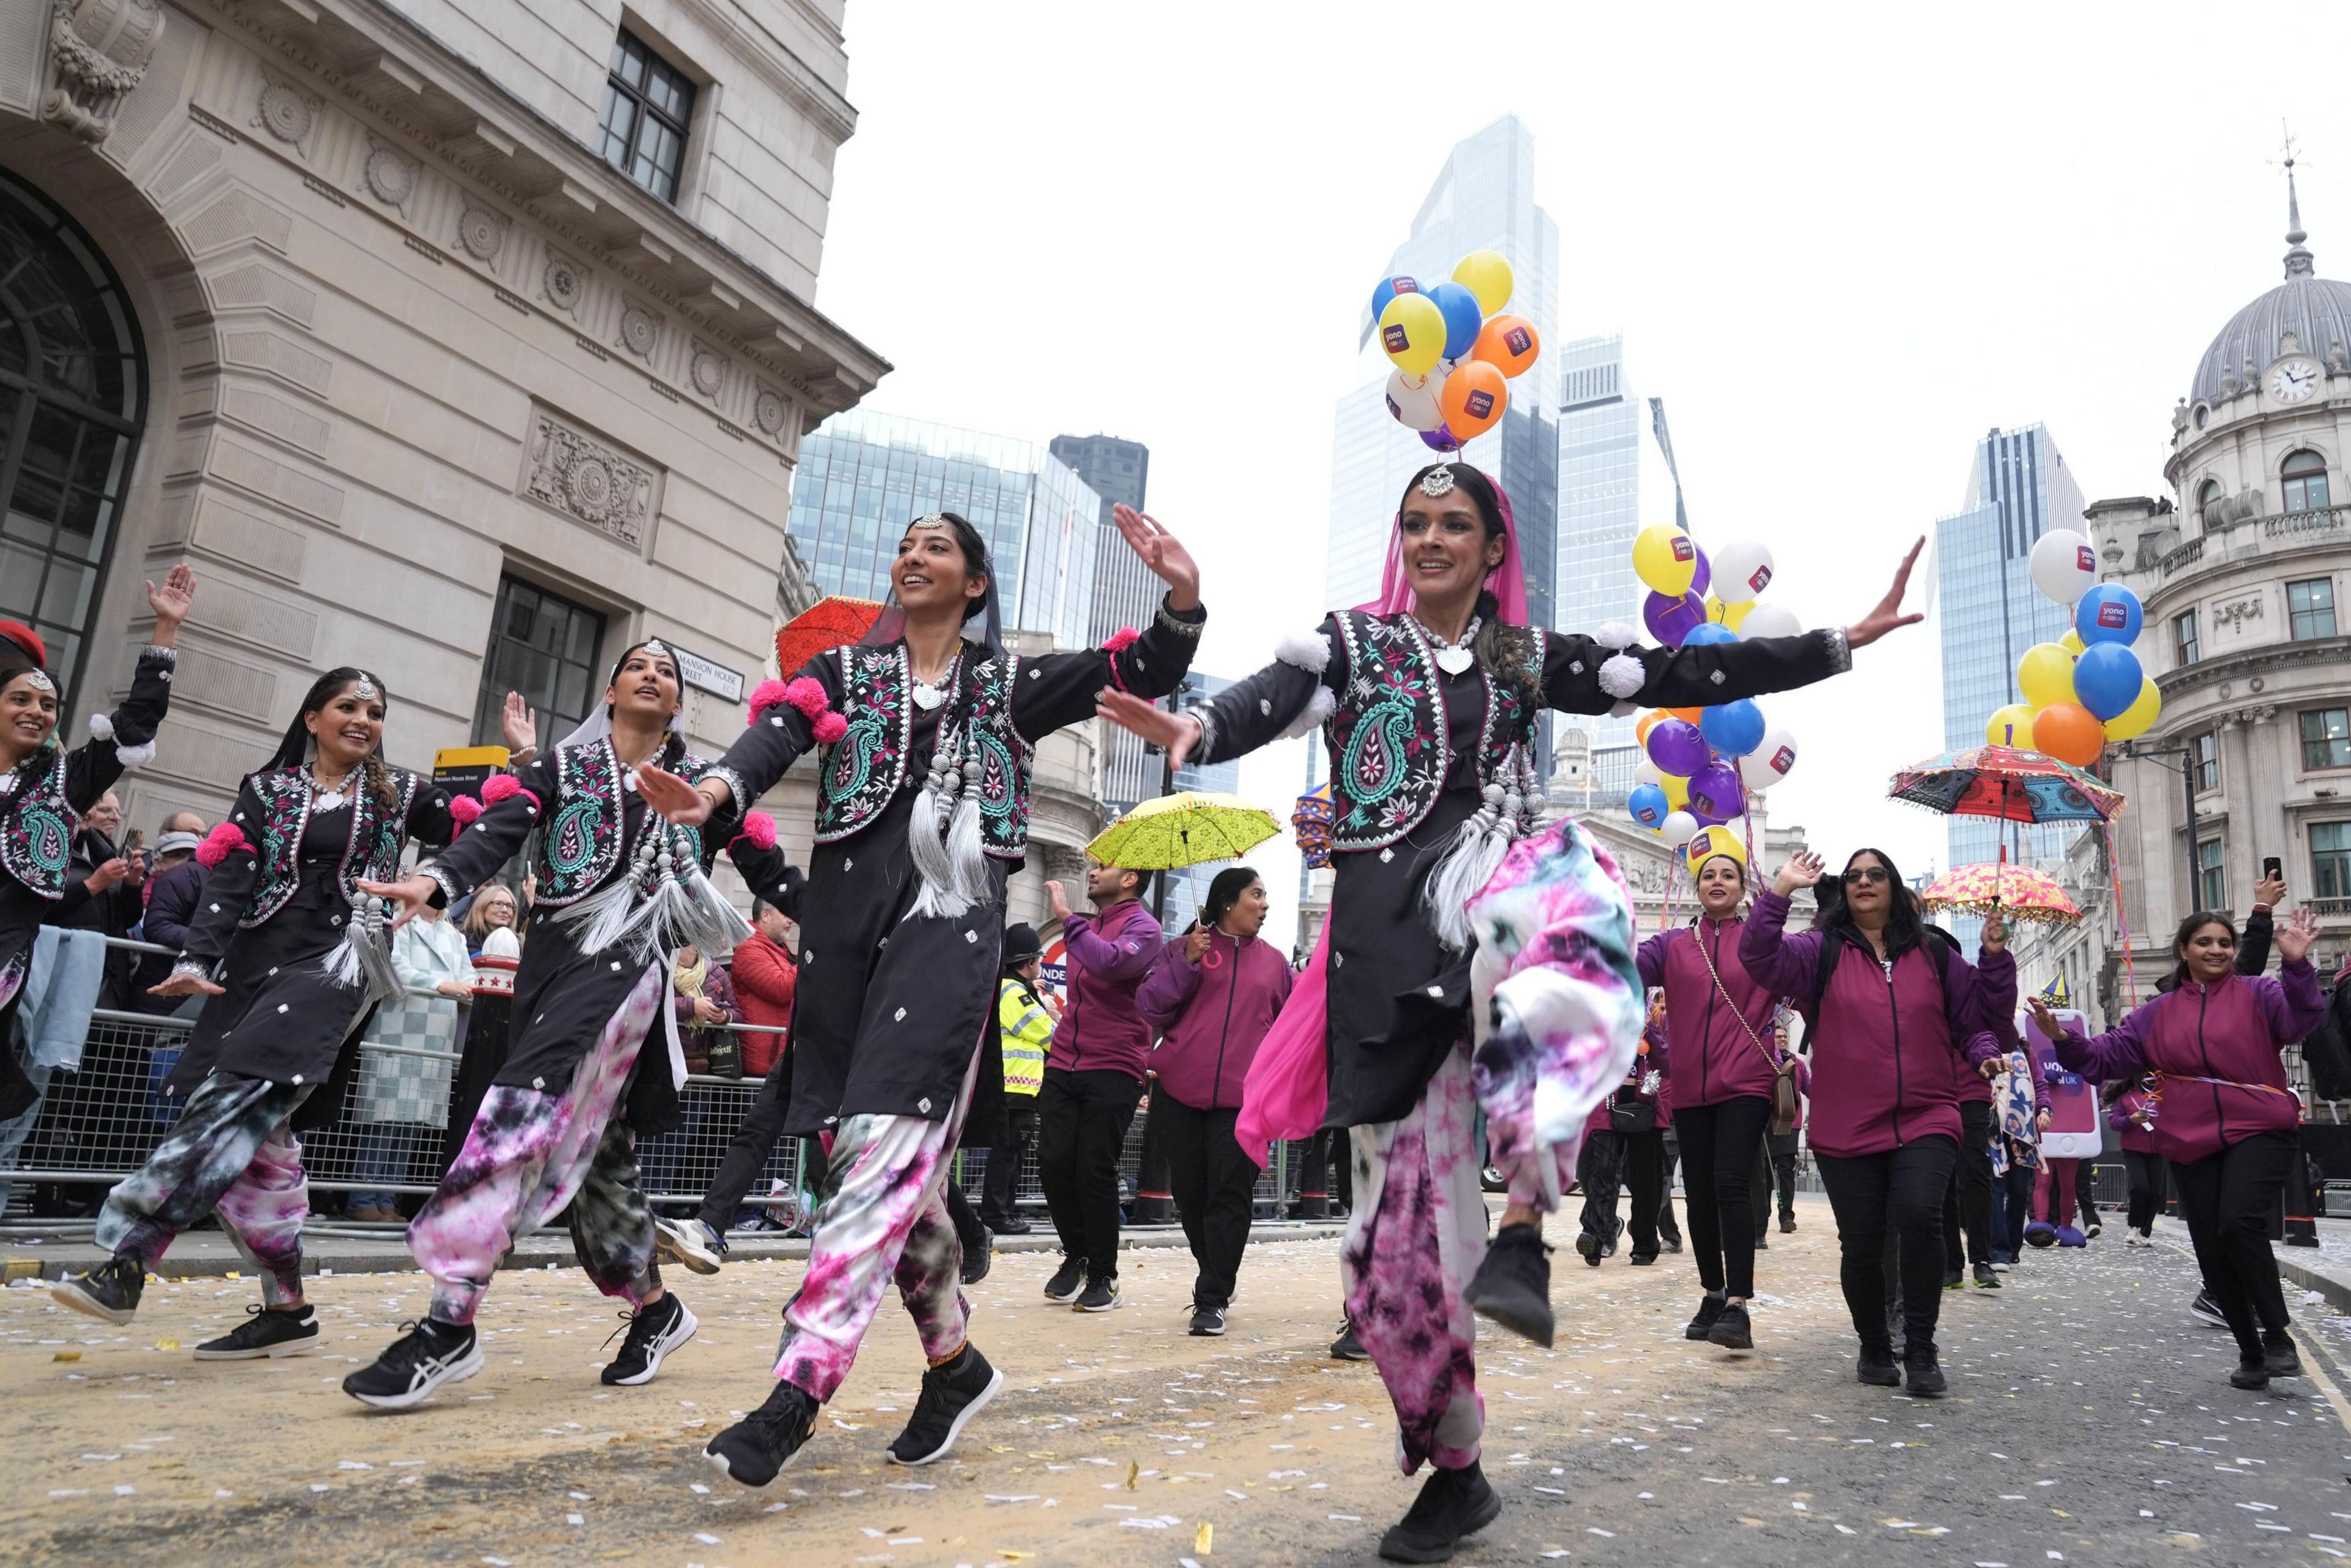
(1841, 243)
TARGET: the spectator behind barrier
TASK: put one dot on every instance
(171, 894)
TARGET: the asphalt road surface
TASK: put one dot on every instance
(2089, 1421)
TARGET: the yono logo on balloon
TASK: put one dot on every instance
(1395, 339)
(1519, 339)
(1478, 404)
(2113, 615)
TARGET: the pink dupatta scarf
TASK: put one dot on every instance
(1289, 1083)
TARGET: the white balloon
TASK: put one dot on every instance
(1413, 400)
(1742, 569)
(1647, 772)
(1678, 829)
(1769, 621)
(1770, 761)
(2064, 567)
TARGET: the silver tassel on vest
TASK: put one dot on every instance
(662, 900)
(365, 952)
(1509, 806)
(942, 834)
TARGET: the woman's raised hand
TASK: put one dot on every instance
(1804, 869)
(1163, 552)
(1178, 734)
(171, 602)
(1888, 614)
(673, 798)
(518, 724)
(411, 892)
(2294, 939)
(2045, 1017)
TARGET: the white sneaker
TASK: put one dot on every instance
(688, 1241)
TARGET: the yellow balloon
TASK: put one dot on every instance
(1665, 559)
(2012, 725)
(2071, 642)
(2045, 674)
(1676, 790)
(1487, 275)
(1411, 330)
(2137, 719)
(1730, 615)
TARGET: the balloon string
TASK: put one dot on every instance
(2122, 921)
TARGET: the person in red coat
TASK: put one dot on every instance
(764, 978)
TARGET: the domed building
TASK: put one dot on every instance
(2243, 571)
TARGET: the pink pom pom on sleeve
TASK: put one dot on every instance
(217, 844)
(464, 809)
(760, 829)
(830, 727)
(500, 787)
(1120, 639)
(808, 695)
(768, 694)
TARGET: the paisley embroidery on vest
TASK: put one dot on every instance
(1005, 759)
(371, 849)
(864, 767)
(36, 839)
(583, 830)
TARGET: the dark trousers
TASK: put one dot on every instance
(1783, 1170)
(1893, 1197)
(747, 1156)
(2227, 1199)
(1633, 1162)
(1151, 1189)
(1215, 1183)
(1666, 1226)
(2014, 1207)
(1000, 1183)
(1327, 1169)
(2150, 1183)
(1600, 1171)
(1081, 1122)
(1718, 1148)
(1967, 1202)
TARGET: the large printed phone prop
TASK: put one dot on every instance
(2074, 1131)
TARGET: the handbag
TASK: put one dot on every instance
(1785, 1108)
(1629, 1113)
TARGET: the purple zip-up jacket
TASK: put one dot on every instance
(2232, 1030)
(1109, 954)
(1997, 974)
(1711, 1056)
(1882, 1048)
(1215, 1014)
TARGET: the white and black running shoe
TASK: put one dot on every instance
(691, 1243)
(110, 1291)
(266, 1334)
(420, 1361)
(653, 1332)
(1068, 1281)
(952, 1395)
(2207, 1310)
(1207, 1322)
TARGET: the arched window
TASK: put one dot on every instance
(73, 394)
(2208, 504)
(2305, 482)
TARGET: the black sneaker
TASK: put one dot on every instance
(110, 1291)
(420, 1361)
(1641, 1259)
(1670, 1243)
(1451, 1504)
(2279, 1358)
(1762, 1242)
(653, 1332)
(1954, 1281)
(1512, 1285)
(1924, 1372)
(978, 1258)
(1787, 1222)
(754, 1449)
(1985, 1278)
(1347, 1347)
(1015, 1225)
(1207, 1322)
(1068, 1281)
(2207, 1310)
(1590, 1248)
(1876, 1367)
(2250, 1374)
(266, 1334)
(952, 1395)
(1710, 1307)
(1731, 1330)
(1100, 1294)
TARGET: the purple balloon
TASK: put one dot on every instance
(1439, 440)
(1704, 573)
(1715, 793)
(1671, 620)
(1677, 746)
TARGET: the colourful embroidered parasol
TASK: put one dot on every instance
(826, 623)
(1186, 829)
(1310, 823)
(2002, 782)
(2017, 892)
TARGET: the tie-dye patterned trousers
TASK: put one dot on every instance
(528, 1154)
(231, 1154)
(884, 1219)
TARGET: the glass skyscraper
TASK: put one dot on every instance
(863, 477)
(1599, 501)
(1990, 612)
(1187, 888)
(1125, 593)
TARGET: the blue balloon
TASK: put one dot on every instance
(1709, 632)
(2107, 614)
(1462, 318)
(1649, 806)
(1734, 729)
(2108, 679)
(1389, 288)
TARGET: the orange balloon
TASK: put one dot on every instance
(2068, 732)
(1508, 343)
(1645, 724)
(1687, 715)
(1473, 399)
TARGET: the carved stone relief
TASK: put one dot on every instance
(482, 233)
(707, 369)
(562, 284)
(99, 51)
(768, 411)
(287, 113)
(391, 174)
(2232, 616)
(576, 474)
(640, 330)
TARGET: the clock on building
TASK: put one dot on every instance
(2293, 379)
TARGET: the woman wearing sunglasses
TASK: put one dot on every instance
(1891, 1005)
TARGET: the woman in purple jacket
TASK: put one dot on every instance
(2220, 1111)
(1722, 1066)
(1890, 1006)
(1214, 994)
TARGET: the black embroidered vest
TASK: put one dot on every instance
(37, 829)
(1387, 738)
(859, 773)
(371, 850)
(585, 823)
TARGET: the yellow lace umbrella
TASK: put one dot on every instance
(2017, 892)
(1190, 827)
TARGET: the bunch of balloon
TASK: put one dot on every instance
(1699, 765)
(1454, 348)
(2087, 689)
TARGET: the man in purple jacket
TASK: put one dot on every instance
(1094, 1076)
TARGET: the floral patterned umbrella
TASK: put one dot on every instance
(1181, 829)
(2017, 892)
(826, 623)
(1311, 822)
(2004, 782)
